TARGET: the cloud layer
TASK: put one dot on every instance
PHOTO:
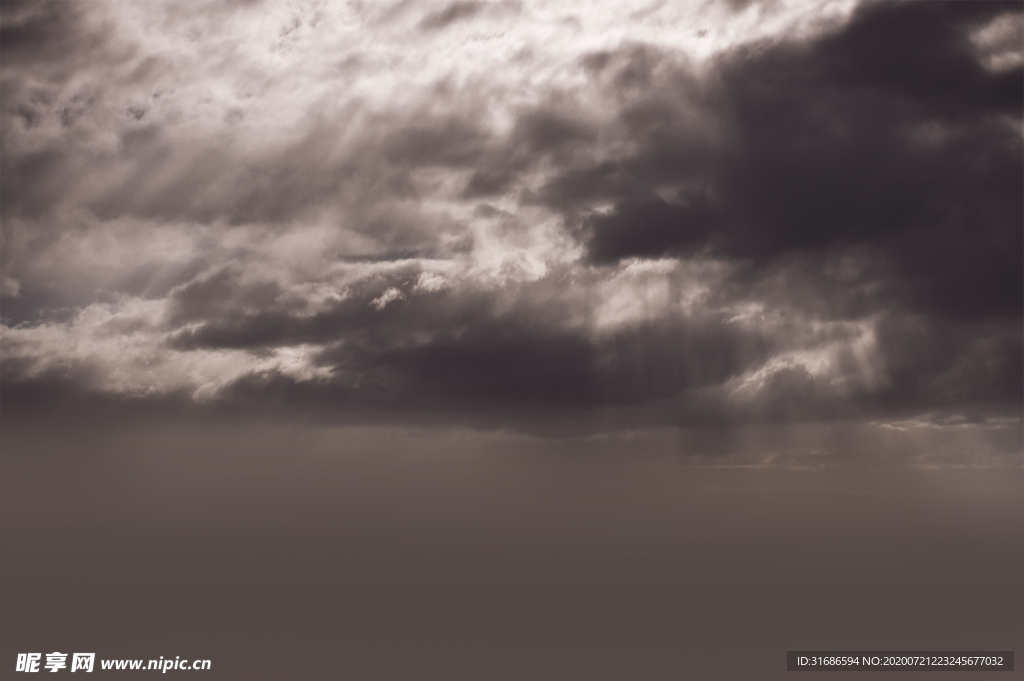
(514, 214)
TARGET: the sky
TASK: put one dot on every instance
(637, 242)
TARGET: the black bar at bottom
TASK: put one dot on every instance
(893, 660)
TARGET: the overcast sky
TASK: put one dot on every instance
(540, 217)
(510, 340)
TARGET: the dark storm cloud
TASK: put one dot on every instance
(41, 32)
(651, 228)
(936, 361)
(460, 360)
(889, 132)
(923, 52)
(470, 350)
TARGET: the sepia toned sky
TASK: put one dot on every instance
(510, 340)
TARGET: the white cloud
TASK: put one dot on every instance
(430, 282)
(390, 295)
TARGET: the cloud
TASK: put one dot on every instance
(847, 140)
(381, 301)
(514, 215)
